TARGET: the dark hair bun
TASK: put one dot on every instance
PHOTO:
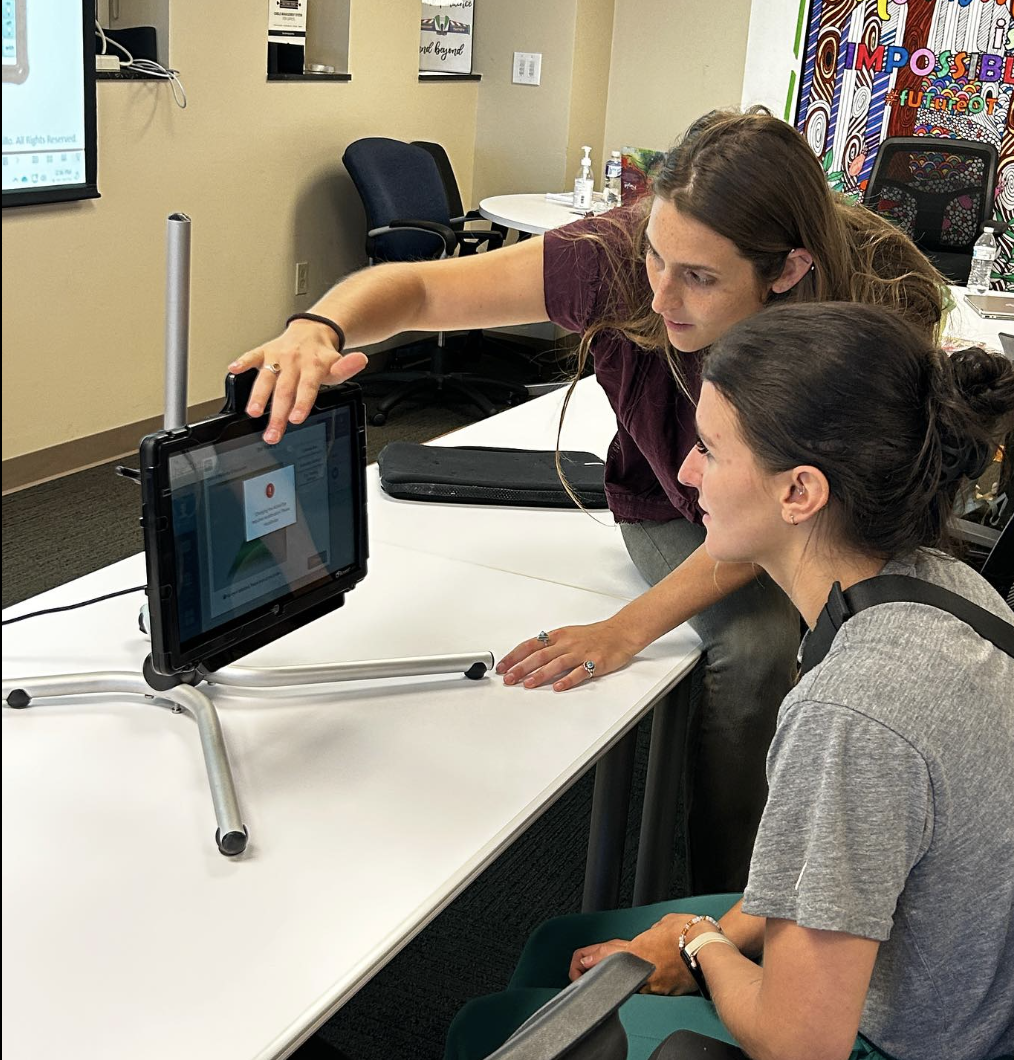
(985, 380)
(978, 387)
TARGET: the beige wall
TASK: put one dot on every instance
(522, 131)
(672, 60)
(529, 137)
(589, 86)
(258, 168)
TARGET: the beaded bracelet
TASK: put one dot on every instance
(696, 920)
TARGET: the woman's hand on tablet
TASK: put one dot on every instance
(294, 366)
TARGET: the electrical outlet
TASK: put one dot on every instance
(302, 276)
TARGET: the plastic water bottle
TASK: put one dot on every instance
(983, 256)
(611, 185)
(584, 185)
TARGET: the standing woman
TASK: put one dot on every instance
(833, 440)
(741, 218)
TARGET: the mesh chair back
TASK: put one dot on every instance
(397, 182)
(439, 155)
(939, 192)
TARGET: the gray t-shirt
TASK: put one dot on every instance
(891, 817)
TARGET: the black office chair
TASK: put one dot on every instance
(470, 242)
(408, 219)
(939, 192)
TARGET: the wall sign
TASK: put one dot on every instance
(287, 21)
(445, 37)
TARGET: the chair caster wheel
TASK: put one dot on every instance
(378, 419)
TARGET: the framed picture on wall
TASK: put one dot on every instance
(445, 37)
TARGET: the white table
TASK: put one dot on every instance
(527, 213)
(370, 806)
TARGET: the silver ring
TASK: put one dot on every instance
(543, 638)
(274, 369)
(589, 667)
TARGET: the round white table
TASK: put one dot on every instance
(526, 213)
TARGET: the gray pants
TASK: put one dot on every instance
(750, 642)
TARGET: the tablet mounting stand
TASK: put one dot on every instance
(179, 691)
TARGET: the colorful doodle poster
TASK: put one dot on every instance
(874, 69)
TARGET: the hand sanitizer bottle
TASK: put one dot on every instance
(983, 256)
(585, 183)
(612, 185)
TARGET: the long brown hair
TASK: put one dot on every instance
(753, 178)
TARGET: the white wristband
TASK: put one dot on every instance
(695, 945)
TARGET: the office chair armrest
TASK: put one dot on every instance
(472, 215)
(445, 233)
(483, 235)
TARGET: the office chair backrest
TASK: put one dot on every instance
(582, 1022)
(439, 155)
(397, 182)
(938, 191)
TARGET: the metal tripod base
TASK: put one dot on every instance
(231, 836)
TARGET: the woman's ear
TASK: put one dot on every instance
(805, 493)
(797, 265)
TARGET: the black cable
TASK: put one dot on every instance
(72, 607)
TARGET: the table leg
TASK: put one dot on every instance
(608, 827)
(666, 756)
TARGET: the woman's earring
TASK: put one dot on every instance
(792, 519)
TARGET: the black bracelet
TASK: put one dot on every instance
(318, 319)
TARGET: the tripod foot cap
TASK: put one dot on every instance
(476, 671)
(18, 698)
(232, 843)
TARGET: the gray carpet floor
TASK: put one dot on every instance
(63, 529)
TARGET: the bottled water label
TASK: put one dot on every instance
(983, 253)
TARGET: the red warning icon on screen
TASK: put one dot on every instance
(269, 490)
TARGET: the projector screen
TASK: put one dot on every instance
(48, 101)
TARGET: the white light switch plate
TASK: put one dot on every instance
(527, 68)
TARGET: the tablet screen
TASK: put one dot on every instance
(253, 522)
(245, 541)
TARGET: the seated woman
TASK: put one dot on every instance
(832, 442)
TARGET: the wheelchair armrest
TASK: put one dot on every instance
(582, 1022)
(433, 227)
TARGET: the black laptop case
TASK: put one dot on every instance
(525, 478)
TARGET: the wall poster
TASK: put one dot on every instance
(872, 69)
(445, 37)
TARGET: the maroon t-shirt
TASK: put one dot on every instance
(654, 419)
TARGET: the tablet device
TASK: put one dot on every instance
(992, 306)
(244, 541)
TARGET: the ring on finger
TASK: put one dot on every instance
(543, 638)
(589, 667)
(274, 369)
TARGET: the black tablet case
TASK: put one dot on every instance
(525, 478)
